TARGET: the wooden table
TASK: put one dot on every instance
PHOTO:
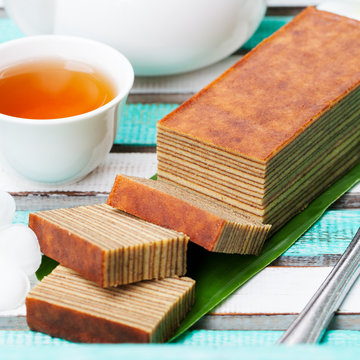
(258, 312)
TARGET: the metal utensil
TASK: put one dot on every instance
(312, 322)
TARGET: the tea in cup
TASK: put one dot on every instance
(59, 101)
(52, 88)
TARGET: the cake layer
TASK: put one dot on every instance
(279, 89)
(250, 168)
(109, 247)
(214, 227)
(285, 207)
(66, 305)
(227, 183)
(324, 181)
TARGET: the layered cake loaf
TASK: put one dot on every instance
(277, 128)
(215, 227)
(108, 246)
(66, 305)
(237, 160)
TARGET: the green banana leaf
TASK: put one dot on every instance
(219, 275)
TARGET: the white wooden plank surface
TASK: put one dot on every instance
(190, 82)
(272, 300)
(356, 189)
(283, 290)
(99, 181)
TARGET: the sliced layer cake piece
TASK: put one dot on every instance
(263, 134)
(66, 305)
(215, 227)
(108, 246)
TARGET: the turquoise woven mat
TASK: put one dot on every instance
(9, 30)
(199, 338)
(176, 352)
(138, 124)
(268, 25)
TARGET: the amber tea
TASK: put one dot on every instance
(52, 89)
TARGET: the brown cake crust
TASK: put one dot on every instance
(152, 205)
(65, 304)
(78, 327)
(276, 91)
(69, 249)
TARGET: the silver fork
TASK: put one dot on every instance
(310, 325)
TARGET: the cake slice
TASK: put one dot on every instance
(215, 227)
(66, 305)
(109, 247)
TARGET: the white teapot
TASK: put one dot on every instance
(159, 37)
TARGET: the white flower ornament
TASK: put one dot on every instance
(7, 209)
(20, 256)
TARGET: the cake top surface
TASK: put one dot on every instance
(277, 90)
(108, 228)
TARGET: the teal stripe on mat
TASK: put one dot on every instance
(137, 125)
(222, 338)
(9, 30)
(258, 338)
(21, 217)
(269, 25)
(175, 352)
(204, 338)
(179, 352)
(330, 235)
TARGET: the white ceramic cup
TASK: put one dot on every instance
(64, 150)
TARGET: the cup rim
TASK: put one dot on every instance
(124, 91)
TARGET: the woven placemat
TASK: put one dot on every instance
(137, 125)
(205, 338)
